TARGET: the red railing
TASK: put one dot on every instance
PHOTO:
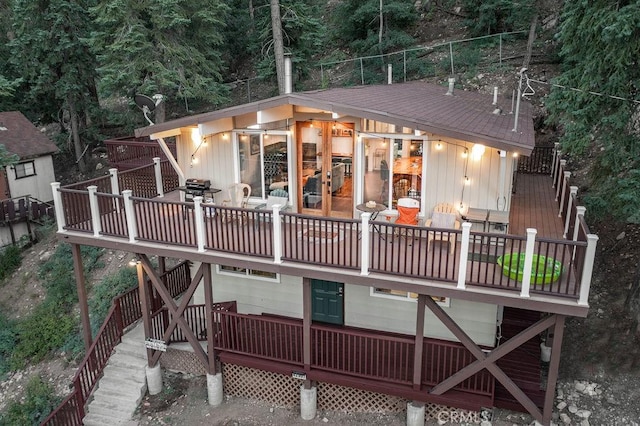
(141, 181)
(227, 231)
(169, 222)
(125, 310)
(362, 353)
(125, 151)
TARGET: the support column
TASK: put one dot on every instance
(419, 343)
(308, 402)
(211, 325)
(306, 323)
(154, 379)
(82, 296)
(554, 365)
(415, 413)
(215, 391)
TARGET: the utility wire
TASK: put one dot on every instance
(591, 92)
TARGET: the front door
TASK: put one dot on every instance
(326, 172)
(327, 301)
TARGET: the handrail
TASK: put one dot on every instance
(71, 411)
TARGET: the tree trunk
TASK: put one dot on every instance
(278, 45)
(532, 38)
(75, 134)
(251, 9)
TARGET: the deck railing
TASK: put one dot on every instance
(390, 356)
(124, 311)
(356, 244)
(127, 151)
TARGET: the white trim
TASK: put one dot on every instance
(246, 273)
(407, 298)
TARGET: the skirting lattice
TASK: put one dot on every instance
(341, 398)
(251, 383)
(182, 361)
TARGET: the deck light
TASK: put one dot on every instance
(477, 151)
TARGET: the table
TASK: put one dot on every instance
(190, 193)
(477, 216)
(375, 210)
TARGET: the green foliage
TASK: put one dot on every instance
(600, 41)
(45, 330)
(103, 294)
(165, 47)
(497, 16)
(10, 259)
(7, 343)
(38, 402)
(357, 25)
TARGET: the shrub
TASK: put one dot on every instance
(9, 261)
(103, 294)
(7, 343)
(39, 401)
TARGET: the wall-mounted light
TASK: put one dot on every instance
(439, 146)
(477, 151)
(225, 136)
(335, 115)
(515, 155)
(196, 137)
(134, 261)
(467, 181)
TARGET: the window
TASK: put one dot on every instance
(252, 273)
(403, 295)
(25, 169)
(263, 162)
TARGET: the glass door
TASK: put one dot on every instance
(327, 168)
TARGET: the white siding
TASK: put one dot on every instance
(38, 185)
(361, 309)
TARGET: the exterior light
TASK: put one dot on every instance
(439, 146)
(477, 151)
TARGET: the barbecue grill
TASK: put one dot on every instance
(196, 188)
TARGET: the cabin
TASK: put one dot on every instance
(352, 244)
(25, 187)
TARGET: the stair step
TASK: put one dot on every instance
(124, 374)
(114, 408)
(94, 419)
(127, 361)
(107, 394)
(118, 386)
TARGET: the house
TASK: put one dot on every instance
(328, 294)
(25, 185)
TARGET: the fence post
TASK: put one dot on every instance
(277, 234)
(573, 191)
(565, 182)
(451, 56)
(57, 204)
(563, 164)
(115, 186)
(365, 243)
(130, 214)
(554, 161)
(361, 72)
(528, 262)
(95, 210)
(199, 218)
(587, 270)
(464, 254)
(500, 52)
(404, 64)
(580, 211)
(158, 173)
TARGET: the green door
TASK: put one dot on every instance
(327, 302)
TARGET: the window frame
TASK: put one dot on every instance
(23, 170)
(246, 273)
(446, 302)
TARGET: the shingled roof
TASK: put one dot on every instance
(418, 105)
(21, 137)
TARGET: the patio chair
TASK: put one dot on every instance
(277, 196)
(408, 209)
(239, 194)
(444, 216)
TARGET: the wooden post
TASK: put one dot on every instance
(82, 296)
(306, 323)
(144, 306)
(554, 364)
(211, 327)
(419, 343)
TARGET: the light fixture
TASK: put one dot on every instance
(335, 115)
(195, 136)
(477, 151)
(515, 155)
(417, 132)
(439, 146)
(465, 153)
(225, 136)
(134, 261)
(467, 181)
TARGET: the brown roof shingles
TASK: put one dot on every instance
(22, 138)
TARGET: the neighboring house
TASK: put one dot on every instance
(26, 185)
(331, 290)
(33, 173)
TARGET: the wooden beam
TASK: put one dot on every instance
(208, 302)
(488, 361)
(178, 319)
(82, 296)
(419, 342)
(554, 364)
(306, 323)
(146, 312)
(186, 298)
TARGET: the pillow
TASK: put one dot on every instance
(443, 220)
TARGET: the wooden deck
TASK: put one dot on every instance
(533, 205)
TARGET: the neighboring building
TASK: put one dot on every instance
(329, 288)
(25, 187)
(33, 173)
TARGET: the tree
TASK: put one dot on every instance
(6, 158)
(278, 45)
(600, 45)
(169, 47)
(496, 16)
(50, 48)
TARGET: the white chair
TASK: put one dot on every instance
(444, 216)
(238, 195)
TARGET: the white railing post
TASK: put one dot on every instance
(563, 164)
(565, 181)
(580, 211)
(130, 214)
(364, 243)
(199, 218)
(277, 234)
(464, 254)
(95, 210)
(115, 186)
(587, 269)
(573, 191)
(528, 262)
(554, 161)
(57, 204)
(158, 172)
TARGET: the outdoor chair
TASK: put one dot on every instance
(408, 209)
(444, 216)
(276, 197)
(239, 194)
